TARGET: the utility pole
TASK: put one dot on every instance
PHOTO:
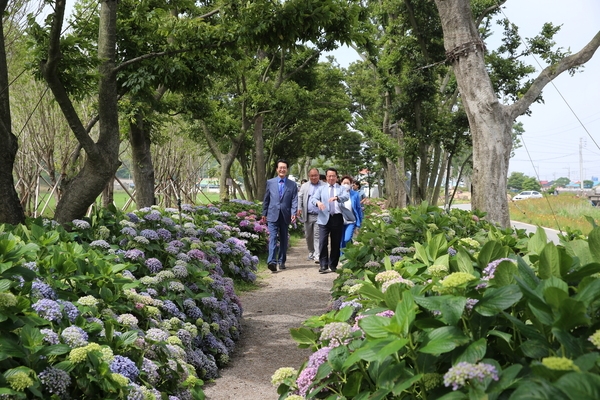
(581, 164)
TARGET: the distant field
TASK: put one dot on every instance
(121, 199)
(557, 212)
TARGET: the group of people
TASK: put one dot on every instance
(331, 212)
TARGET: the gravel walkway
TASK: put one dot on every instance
(285, 299)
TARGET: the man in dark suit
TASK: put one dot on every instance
(329, 199)
(279, 210)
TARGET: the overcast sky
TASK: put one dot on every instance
(553, 132)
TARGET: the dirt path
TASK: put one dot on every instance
(284, 301)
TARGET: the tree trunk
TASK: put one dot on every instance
(11, 210)
(142, 167)
(490, 124)
(439, 177)
(102, 159)
(259, 162)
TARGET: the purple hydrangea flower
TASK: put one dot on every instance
(69, 309)
(124, 366)
(55, 381)
(50, 336)
(152, 216)
(129, 231)
(134, 254)
(48, 309)
(163, 234)
(132, 217)
(154, 265)
(40, 289)
(149, 234)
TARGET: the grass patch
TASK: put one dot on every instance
(564, 212)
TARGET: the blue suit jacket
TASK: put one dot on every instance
(358, 212)
(287, 205)
(322, 195)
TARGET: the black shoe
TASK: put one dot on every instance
(323, 270)
(272, 267)
(333, 269)
(282, 266)
(317, 261)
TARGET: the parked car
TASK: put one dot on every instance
(528, 194)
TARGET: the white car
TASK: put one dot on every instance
(528, 194)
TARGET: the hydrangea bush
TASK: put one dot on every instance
(492, 315)
(140, 306)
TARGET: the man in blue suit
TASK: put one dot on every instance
(279, 210)
(328, 199)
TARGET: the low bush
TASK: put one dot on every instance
(462, 311)
(136, 306)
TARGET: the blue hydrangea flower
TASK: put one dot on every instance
(124, 366)
(48, 309)
(55, 381)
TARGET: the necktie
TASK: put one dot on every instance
(331, 203)
(280, 189)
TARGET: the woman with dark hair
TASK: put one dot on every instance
(354, 210)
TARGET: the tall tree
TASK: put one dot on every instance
(490, 121)
(11, 210)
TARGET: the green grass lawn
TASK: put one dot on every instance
(557, 212)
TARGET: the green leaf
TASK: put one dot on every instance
(594, 243)
(452, 309)
(344, 314)
(538, 241)
(405, 313)
(337, 356)
(549, 262)
(353, 384)
(371, 292)
(498, 299)
(534, 349)
(404, 384)
(437, 245)
(393, 295)
(590, 293)
(581, 250)
(583, 272)
(505, 273)
(554, 296)
(579, 385)
(573, 313)
(375, 350)
(128, 337)
(303, 335)
(474, 353)
(55, 349)
(421, 254)
(444, 340)
(4, 285)
(507, 337)
(375, 326)
(464, 263)
(491, 251)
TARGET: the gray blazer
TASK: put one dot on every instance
(322, 195)
(288, 204)
(303, 196)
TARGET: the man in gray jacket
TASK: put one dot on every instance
(329, 200)
(307, 213)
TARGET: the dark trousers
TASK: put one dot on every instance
(335, 229)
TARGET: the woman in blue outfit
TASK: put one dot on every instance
(353, 203)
